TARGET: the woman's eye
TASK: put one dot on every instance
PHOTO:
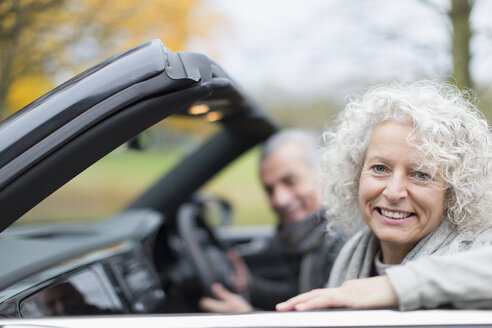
(379, 168)
(423, 176)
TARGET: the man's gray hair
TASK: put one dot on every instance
(308, 140)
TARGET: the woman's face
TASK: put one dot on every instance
(401, 204)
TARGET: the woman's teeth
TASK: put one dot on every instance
(395, 215)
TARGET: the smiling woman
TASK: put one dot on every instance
(398, 202)
(447, 138)
(418, 159)
(413, 160)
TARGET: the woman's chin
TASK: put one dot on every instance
(393, 236)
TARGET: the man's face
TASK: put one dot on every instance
(290, 183)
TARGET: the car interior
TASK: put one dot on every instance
(159, 251)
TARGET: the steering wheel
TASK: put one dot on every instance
(203, 249)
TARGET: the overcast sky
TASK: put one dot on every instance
(331, 46)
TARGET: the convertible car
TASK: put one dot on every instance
(159, 251)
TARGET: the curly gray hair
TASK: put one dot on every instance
(450, 134)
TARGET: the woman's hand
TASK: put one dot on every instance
(359, 293)
(225, 301)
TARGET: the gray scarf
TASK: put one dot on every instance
(356, 258)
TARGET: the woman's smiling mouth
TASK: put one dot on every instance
(394, 217)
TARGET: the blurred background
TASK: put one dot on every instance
(301, 60)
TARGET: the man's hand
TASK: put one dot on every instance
(241, 278)
(359, 293)
(225, 301)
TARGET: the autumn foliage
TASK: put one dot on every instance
(44, 42)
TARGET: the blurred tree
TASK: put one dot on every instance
(24, 34)
(43, 42)
(461, 36)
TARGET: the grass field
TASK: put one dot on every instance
(112, 183)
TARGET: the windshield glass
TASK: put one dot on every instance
(116, 180)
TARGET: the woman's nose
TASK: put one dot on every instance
(395, 189)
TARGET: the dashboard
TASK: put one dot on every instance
(124, 283)
(102, 268)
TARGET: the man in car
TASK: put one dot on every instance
(288, 170)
